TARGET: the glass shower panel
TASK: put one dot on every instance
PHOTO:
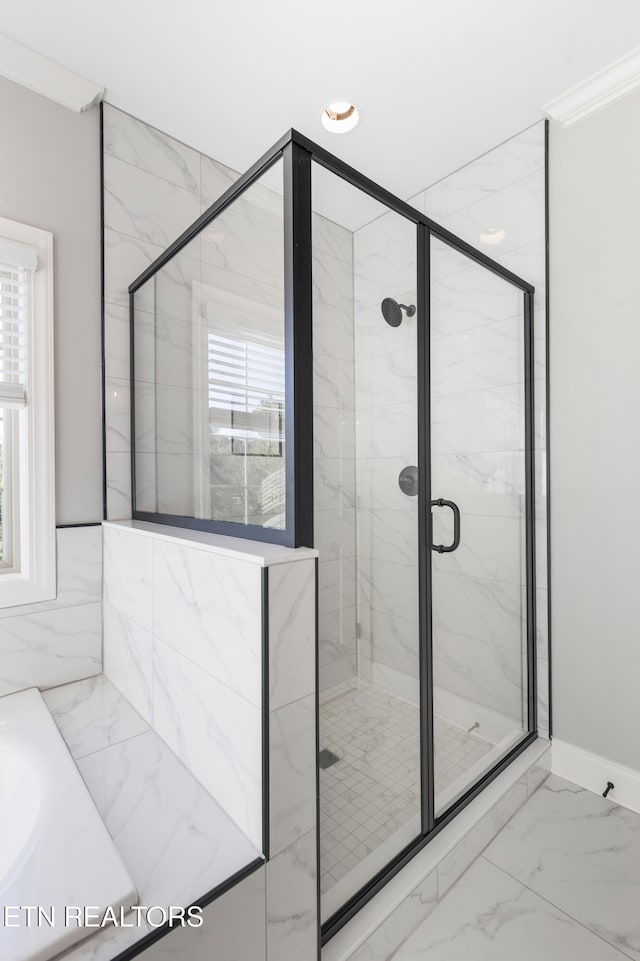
(209, 385)
(366, 531)
(478, 468)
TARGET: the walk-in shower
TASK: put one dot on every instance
(316, 362)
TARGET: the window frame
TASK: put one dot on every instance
(31, 578)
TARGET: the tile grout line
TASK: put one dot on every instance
(553, 905)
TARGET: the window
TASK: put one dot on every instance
(27, 478)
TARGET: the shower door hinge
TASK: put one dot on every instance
(358, 630)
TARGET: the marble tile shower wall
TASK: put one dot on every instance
(182, 643)
(334, 440)
(55, 642)
(154, 188)
(386, 441)
(503, 189)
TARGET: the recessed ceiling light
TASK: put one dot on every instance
(340, 117)
(494, 235)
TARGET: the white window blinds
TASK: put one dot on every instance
(16, 263)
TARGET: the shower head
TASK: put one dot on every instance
(392, 311)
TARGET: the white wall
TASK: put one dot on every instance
(50, 178)
(595, 429)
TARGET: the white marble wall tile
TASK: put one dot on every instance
(78, 571)
(292, 772)
(483, 357)
(388, 535)
(166, 418)
(490, 483)
(491, 611)
(223, 750)
(220, 279)
(141, 205)
(170, 293)
(247, 240)
(337, 636)
(333, 432)
(165, 348)
(336, 584)
(128, 659)
(124, 259)
(490, 915)
(333, 382)
(513, 160)
(145, 147)
(481, 420)
(396, 682)
(387, 379)
(139, 783)
(390, 640)
(385, 231)
(128, 570)
(118, 415)
(518, 209)
(486, 674)
(118, 486)
(215, 178)
(388, 587)
(233, 928)
(334, 483)
(454, 864)
(581, 852)
(392, 431)
(332, 282)
(390, 272)
(335, 533)
(472, 298)
(173, 479)
(50, 647)
(490, 547)
(331, 238)
(292, 607)
(116, 341)
(333, 331)
(79, 564)
(373, 336)
(337, 671)
(292, 926)
(92, 715)
(529, 263)
(208, 608)
(377, 485)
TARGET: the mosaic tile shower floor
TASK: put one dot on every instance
(374, 788)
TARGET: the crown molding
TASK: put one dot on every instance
(38, 73)
(597, 91)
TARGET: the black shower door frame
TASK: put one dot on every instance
(298, 153)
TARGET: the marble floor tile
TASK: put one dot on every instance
(174, 838)
(582, 853)
(489, 916)
(92, 715)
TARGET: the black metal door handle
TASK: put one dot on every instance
(444, 548)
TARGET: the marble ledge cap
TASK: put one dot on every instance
(254, 552)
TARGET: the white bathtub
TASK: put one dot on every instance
(55, 852)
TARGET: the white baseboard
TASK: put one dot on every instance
(592, 772)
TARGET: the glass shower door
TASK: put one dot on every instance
(480, 513)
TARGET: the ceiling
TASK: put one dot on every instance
(437, 83)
